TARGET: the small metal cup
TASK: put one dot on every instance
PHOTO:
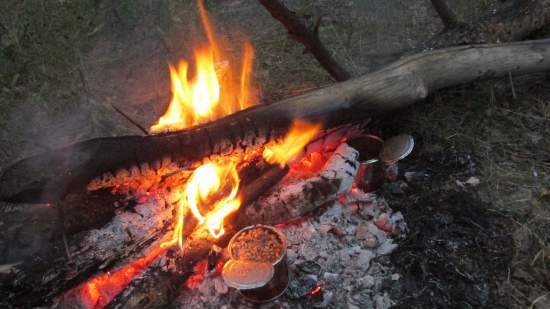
(370, 174)
(264, 289)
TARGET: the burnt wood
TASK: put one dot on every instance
(156, 287)
(51, 175)
(35, 265)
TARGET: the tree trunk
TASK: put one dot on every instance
(53, 174)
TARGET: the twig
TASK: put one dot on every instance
(308, 37)
(61, 220)
(512, 85)
(132, 121)
(447, 15)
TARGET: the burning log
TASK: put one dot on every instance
(156, 287)
(195, 248)
(51, 175)
(128, 233)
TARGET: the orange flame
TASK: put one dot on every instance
(208, 182)
(214, 91)
(298, 136)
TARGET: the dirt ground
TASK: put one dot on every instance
(64, 64)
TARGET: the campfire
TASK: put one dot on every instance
(227, 200)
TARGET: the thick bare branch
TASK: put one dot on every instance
(448, 17)
(309, 38)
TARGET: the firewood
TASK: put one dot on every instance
(155, 288)
(51, 175)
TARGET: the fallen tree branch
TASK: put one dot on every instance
(51, 175)
(132, 121)
(447, 15)
(309, 38)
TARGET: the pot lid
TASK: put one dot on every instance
(396, 148)
(245, 275)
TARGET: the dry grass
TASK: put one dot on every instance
(509, 137)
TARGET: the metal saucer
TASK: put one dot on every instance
(396, 148)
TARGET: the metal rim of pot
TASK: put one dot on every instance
(279, 234)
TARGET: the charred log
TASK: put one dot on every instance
(51, 175)
(36, 262)
(156, 287)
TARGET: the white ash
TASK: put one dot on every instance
(344, 250)
(126, 229)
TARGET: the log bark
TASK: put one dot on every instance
(53, 174)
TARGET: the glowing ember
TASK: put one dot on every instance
(298, 136)
(214, 91)
(99, 291)
(316, 290)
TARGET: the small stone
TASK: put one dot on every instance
(395, 277)
(473, 181)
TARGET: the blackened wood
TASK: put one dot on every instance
(156, 288)
(51, 175)
(308, 37)
(32, 247)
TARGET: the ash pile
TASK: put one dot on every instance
(338, 257)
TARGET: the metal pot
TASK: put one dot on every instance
(258, 281)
